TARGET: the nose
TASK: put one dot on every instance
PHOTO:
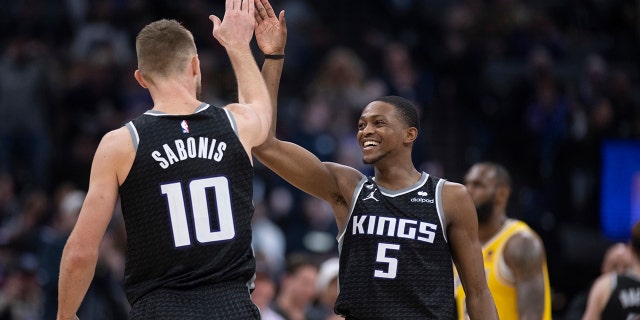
(368, 128)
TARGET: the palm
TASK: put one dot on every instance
(269, 36)
(270, 30)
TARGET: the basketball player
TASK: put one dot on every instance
(400, 229)
(184, 175)
(513, 254)
(617, 295)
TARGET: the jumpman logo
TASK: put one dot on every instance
(370, 196)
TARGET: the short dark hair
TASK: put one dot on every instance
(406, 109)
(163, 48)
(297, 261)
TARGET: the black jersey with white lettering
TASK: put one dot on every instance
(624, 302)
(187, 205)
(395, 261)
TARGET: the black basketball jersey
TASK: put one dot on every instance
(395, 261)
(187, 204)
(624, 302)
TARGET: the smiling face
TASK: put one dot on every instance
(381, 131)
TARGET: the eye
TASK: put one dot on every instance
(361, 125)
(379, 122)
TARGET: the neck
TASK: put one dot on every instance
(174, 97)
(396, 177)
(487, 230)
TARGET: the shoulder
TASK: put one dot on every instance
(524, 248)
(241, 111)
(456, 201)
(115, 152)
(599, 293)
(117, 141)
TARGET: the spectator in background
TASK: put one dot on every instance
(327, 290)
(21, 296)
(297, 289)
(616, 295)
(265, 292)
(24, 107)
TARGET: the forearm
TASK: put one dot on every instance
(76, 274)
(271, 73)
(251, 87)
(531, 302)
(481, 306)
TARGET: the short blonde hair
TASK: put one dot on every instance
(164, 48)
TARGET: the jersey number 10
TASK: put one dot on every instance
(202, 224)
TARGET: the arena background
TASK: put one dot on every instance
(539, 86)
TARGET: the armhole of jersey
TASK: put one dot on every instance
(135, 138)
(504, 272)
(443, 221)
(614, 281)
(354, 199)
(232, 121)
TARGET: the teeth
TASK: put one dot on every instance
(370, 144)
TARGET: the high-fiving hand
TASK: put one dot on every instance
(271, 31)
(236, 28)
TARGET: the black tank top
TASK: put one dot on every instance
(187, 203)
(395, 261)
(624, 302)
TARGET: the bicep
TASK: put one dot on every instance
(525, 256)
(462, 231)
(299, 167)
(99, 203)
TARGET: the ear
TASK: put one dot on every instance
(195, 66)
(411, 135)
(503, 193)
(138, 75)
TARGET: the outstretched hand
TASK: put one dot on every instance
(236, 28)
(271, 31)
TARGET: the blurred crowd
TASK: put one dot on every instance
(534, 85)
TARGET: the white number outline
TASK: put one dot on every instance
(200, 211)
(392, 263)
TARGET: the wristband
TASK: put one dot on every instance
(274, 56)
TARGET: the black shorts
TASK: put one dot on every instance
(225, 301)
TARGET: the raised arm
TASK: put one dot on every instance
(524, 254)
(328, 181)
(462, 231)
(234, 32)
(271, 36)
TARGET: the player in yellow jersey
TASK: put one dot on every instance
(514, 256)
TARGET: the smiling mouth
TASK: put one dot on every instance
(369, 144)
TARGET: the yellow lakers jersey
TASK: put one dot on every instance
(499, 280)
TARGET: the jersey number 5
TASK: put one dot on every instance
(198, 195)
(392, 263)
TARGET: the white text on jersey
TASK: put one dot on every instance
(394, 227)
(189, 149)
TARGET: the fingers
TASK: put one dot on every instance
(228, 5)
(261, 12)
(268, 8)
(283, 21)
(216, 21)
(251, 7)
(236, 4)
